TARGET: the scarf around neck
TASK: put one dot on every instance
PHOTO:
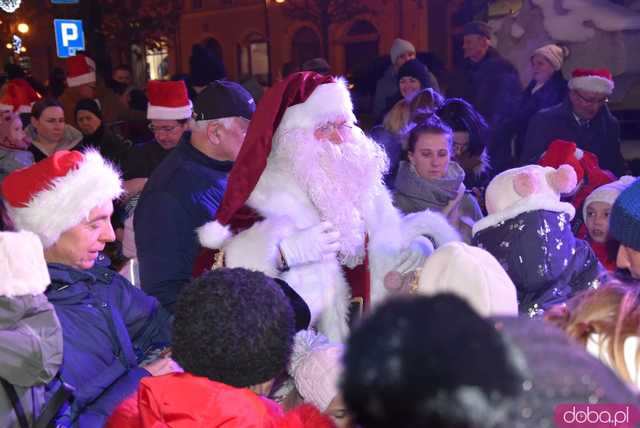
(432, 194)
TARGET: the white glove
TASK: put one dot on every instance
(413, 257)
(310, 245)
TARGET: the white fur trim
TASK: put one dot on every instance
(597, 84)
(68, 200)
(327, 102)
(531, 203)
(23, 270)
(6, 107)
(432, 224)
(169, 113)
(213, 234)
(82, 79)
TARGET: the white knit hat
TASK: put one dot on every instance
(472, 274)
(607, 193)
(315, 367)
(23, 270)
(553, 53)
(399, 47)
(529, 188)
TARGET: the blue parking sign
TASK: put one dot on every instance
(64, 1)
(69, 37)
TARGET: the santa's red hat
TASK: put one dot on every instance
(301, 101)
(561, 152)
(600, 81)
(18, 97)
(58, 193)
(80, 70)
(168, 100)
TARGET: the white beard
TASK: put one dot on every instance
(342, 181)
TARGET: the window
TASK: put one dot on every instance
(158, 63)
(253, 58)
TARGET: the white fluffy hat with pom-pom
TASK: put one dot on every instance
(315, 368)
(529, 188)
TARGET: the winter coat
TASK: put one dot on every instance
(105, 320)
(143, 159)
(10, 160)
(183, 400)
(71, 138)
(392, 145)
(493, 87)
(447, 196)
(111, 146)
(600, 137)
(30, 351)
(550, 94)
(545, 261)
(388, 91)
(183, 193)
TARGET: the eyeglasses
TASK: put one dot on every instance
(592, 101)
(165, 129)
(330, 127)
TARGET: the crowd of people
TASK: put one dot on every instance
(185, 256)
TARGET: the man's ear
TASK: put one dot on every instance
(213, 132)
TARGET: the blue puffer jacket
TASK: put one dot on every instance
(104, 320)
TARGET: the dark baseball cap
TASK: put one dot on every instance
(223, 98)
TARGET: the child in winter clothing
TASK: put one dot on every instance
(315, 367)
(595, 212)
(13, 145)
(528, 230)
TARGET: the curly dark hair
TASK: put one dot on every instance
(233, 326)
(415, 362)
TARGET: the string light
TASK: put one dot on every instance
(9, 6)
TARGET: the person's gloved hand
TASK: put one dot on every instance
(413, 257)
(310, 245)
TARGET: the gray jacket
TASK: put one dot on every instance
(30, 353)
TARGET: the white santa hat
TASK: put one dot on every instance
(168, 100)
(607, 193)
(23, 270)
(81, 70)
(472, 274)
(599, 81)
(58, 193)
(301, 101)
(529, 188)
(315, 366)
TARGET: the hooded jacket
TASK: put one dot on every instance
(545, 261)
(30, 351)
(105, 320)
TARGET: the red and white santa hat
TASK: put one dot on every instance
(592, 80)
(81, 70)
(58, 193)
(529, 188)
(301, 101)
(18, 97)
(23, 269)
(168, 100)
(562, 152)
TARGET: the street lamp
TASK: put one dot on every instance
(23, 28)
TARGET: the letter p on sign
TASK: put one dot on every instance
(69, 37)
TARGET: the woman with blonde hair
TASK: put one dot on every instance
(606, 321)
(392, 134)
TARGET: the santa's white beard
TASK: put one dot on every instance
(341, 180)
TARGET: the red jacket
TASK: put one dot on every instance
(182, 400)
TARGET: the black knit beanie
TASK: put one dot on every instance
(89, 105)
(417, 70)
(624, 223)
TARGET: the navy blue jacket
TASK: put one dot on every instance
(542, 257)
(183, 193)
(601, 137)
(549, 95)
(104, 321)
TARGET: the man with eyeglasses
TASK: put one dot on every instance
(583, 118)
(184, 192)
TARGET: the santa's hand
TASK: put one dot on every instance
(412, 257)
(310, 245)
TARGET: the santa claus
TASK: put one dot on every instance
(315, 180)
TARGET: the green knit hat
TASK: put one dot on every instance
(624, 223)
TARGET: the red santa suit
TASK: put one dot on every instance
(274, 176)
